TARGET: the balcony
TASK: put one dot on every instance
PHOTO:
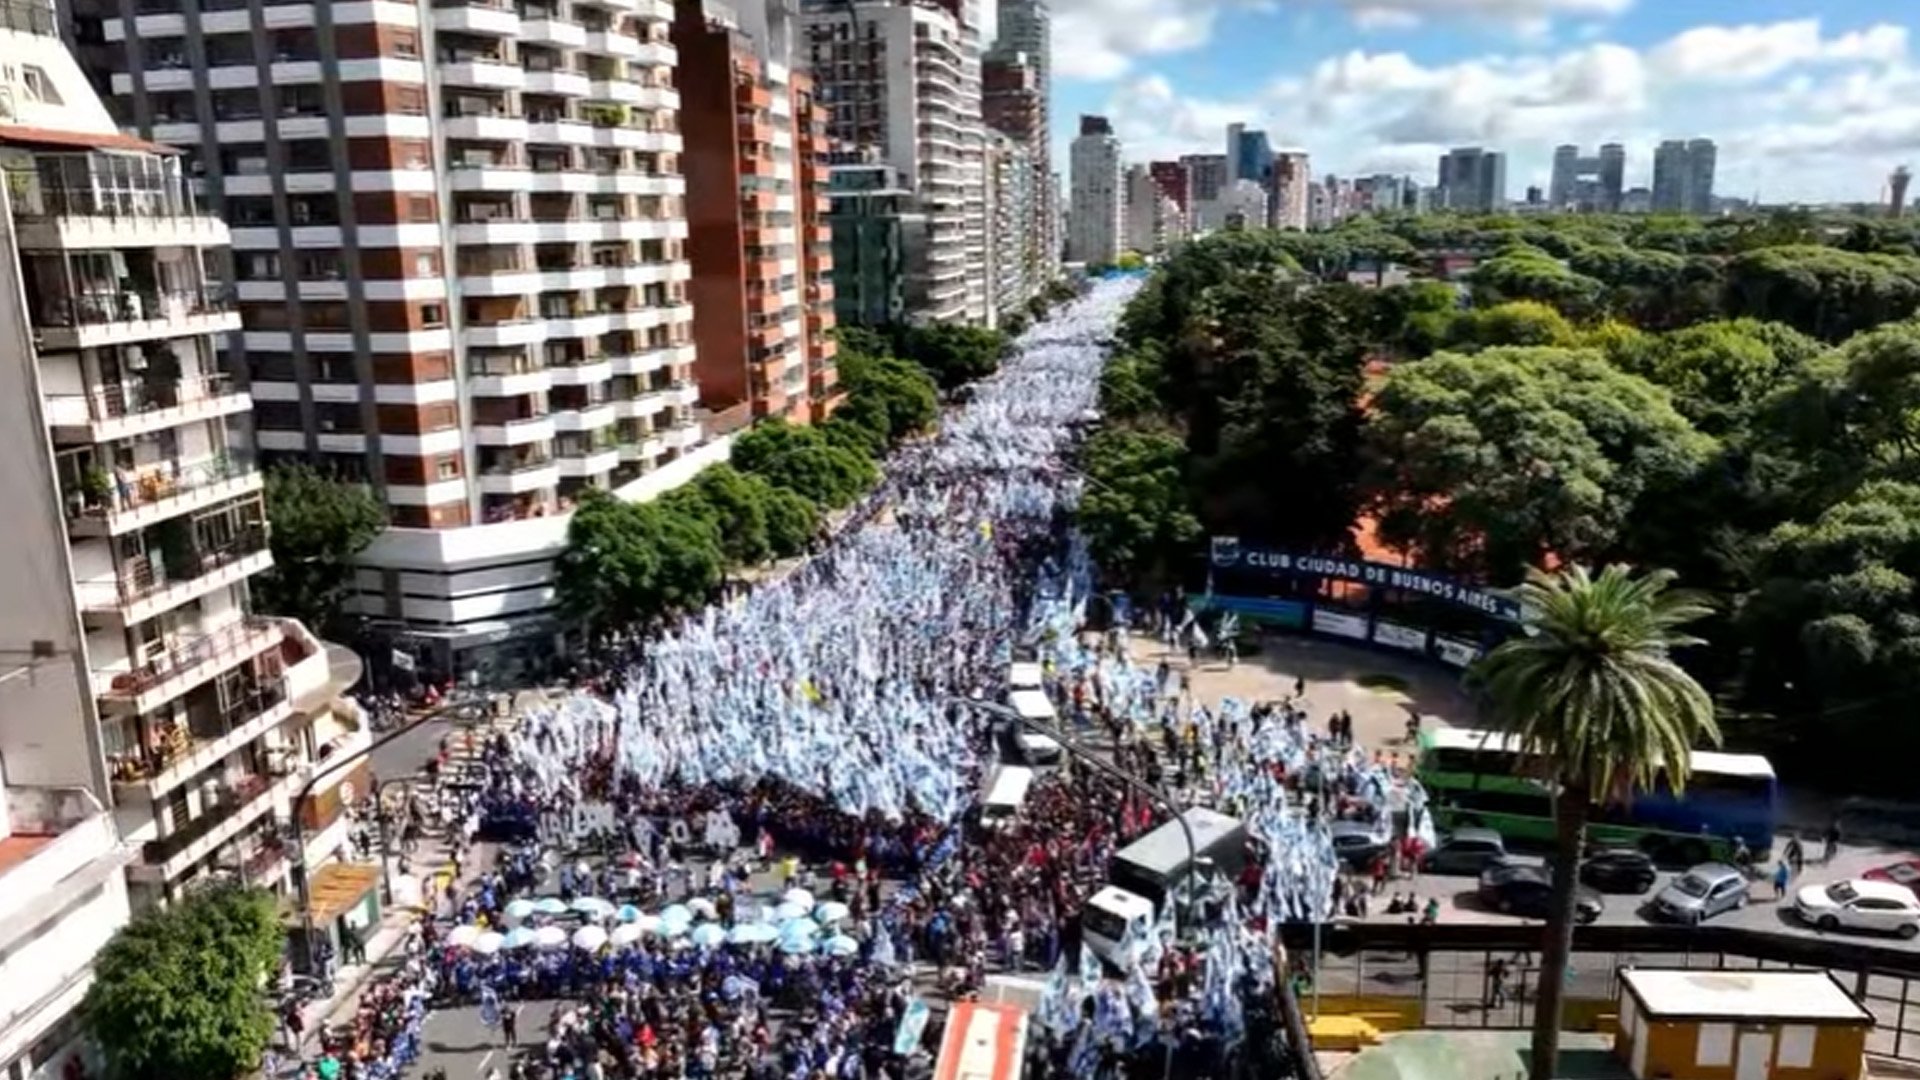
(89, 320)
(492, 18)
(58, 906)
(147, 587)
(517, 474)
(77, 202)
(138, 408)
(518, 432)
(548, 28)
(590, 418)
(481, 73)
(151, 773)
(237, 803)
(182, 662)
(563, 83)
(584, 371)
(508, 378)
(611, 43)
(111, 504)
(499, 125)
(648, 360)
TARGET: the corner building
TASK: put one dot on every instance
(460, 247)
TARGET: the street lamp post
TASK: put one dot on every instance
(327, 769)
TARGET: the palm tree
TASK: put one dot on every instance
(1592, 694)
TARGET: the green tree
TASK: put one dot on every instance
(737, 509)
(792, 522)
(1488, 463)
(893, 398)
(1852, 415)
(954, 354)
(318, 524)
(1593, 694)
(1825, 292)
(633, 564)
(1519, 322)
(177, 992)
(1527, 273)
(1720, 372)
(803, 460)
(1135, 511)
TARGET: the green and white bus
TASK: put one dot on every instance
(1476, 778)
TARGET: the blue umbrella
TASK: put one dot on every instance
(799, 928)
(709, 935)
(627, 913)
(830, 912)
(552, 905)
(676, 913)
(519, 909)
(796, 946)
(593, 907)
(791, 910)
(758, 933)
(841, 945)
(519, 938)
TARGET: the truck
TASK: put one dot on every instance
(1153, 872)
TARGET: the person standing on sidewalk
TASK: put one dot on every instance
(510, 1024)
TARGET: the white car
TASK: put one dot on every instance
(1861, 905)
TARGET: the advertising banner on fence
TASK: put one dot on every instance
(1400, 637)
(1229, 554)
(1340, 623)
(1456, 652)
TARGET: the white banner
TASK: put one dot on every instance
(591, 817)
(1339, 623)
(1456, 652)
(1400, 637)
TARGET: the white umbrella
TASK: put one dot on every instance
(789, 910)
(758, 933)
(703, 907)
(801, 927)
(799, 896)
(552, 905)
(708, 935)
(519, 938)
(830, 912)
(593, 907)
(589, 938)
(795, 946)
(647, 924)
(549, 937)
(676, 913)
(489, 943)
(625, 934)
(674, 928)
(841, 945)
(462, 936)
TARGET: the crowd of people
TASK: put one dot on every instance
(817, 731)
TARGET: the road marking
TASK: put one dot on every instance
(481, 1069)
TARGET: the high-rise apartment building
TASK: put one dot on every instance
(459, 242)
(1025, 39)
(1011, 252)
(904, 78)
(757, 237)
(1683, 176)
(1144, 225)
(1472, 179)
(1289, 200)
(1588, 184)
(1096, 226)
(875, 222)
(1897, 185)
(1174, 180)
(1208, 177)
(138, 520)
(1249, 155)
(1015, 112)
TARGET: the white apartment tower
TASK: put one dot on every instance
(459, 244)
(154, 729)
(1095, 224)
(904, 78)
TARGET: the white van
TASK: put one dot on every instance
(1024, 676)
(1107, 917)
(1006, 794)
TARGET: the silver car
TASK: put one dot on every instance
(1701, 893)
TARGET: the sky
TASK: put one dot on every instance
(1809, 100)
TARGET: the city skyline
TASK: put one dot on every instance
(1807, 103)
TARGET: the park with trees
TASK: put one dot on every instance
(1734, 400)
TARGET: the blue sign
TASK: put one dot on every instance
(1230, 554)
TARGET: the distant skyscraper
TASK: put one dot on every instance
(1095, 225)
(1026, 36)
(1473, 179)
(1249, 155)
(1897, 191)
(1288, 192)
(1683, 176)
(1588, 183)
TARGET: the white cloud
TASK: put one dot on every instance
(1530, 17)
(1820, 115)
(1100, 39)
(1747, 53)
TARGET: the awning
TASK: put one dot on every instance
(40, 138)
(336, 888)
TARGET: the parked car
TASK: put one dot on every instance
(1466, 851)
(1527, 890)
(1700, 894)
(1618, 870)
(1904, 874)
(1860, 905)
(1357, 844)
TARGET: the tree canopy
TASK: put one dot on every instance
(177, 992)
(318, 525)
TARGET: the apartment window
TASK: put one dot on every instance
(332, 368)
(325, 316)
(320, 266)
(236, 105)
(38, 86)
(302, 100)
(412, 154)
(433, 315)
(420, 208)
(259, 266)
(244, 159)
(173, 108)
(446, 468)
(250, 210)
(408, 100)
(405, 43)
(426, 264)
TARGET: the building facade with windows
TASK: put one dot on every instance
(155, 729)
(459, 242)
(1096, 226)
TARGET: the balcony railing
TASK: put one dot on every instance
(129, 305)
(99, 185)
(514, 466)
(236, 640)
(179, 743)
(126, 399)
(140, 580)
(131, 490)
(232, 798)
(29, 17)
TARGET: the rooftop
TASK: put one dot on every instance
(1740, 995)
